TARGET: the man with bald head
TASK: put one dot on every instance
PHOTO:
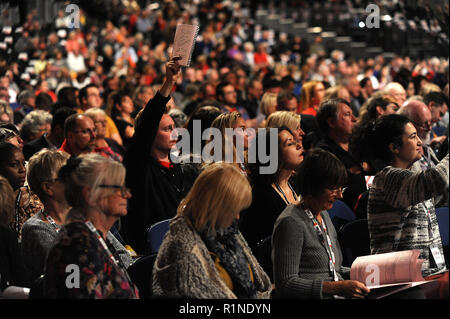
(420, 116)
(79, 133)
(396, 91)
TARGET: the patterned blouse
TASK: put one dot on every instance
(78, 267)
(401, 212)
(27, 204)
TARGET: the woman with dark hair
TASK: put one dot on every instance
(12, 167)
(306, 254)
(200, 120)
(120, 109)
(272, 192)
(376, 107)
(402, 200)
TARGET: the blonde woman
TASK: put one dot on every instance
(204, 255)
(237, 143)
(39, 231)
(287, 119)
(95, 188)
(268, 105)
(311, 96)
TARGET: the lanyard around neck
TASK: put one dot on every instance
(284, 195)
(116, 261)
(51, 221)
(325, 240)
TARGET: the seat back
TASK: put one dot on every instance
(355, 241)
(141, 274)
(155, 235)
(442, 218)
(340, 214)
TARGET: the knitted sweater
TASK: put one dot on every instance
(38, 238)
(300, 259)
(398, 207)
(185, 269)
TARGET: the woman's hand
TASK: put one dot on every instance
(172, 69)
(346, 288)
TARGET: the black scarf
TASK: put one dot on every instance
(226, 246)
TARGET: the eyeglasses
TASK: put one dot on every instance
(87, 131)
(423, 125)
(339, 190)
(124, 191)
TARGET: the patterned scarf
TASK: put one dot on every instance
(226, 246)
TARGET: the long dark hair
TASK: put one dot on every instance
(263, 138)
(370, 142)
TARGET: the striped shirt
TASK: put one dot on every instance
(401, 209)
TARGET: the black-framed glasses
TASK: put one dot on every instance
(124, 191)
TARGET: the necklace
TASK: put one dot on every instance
(284, 195)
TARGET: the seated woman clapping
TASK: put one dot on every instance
(204, 255)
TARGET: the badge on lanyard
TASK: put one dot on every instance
(437, 256)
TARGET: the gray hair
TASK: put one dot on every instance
(92, 171)
(32, 121)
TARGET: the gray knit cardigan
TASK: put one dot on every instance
(185, 269)
(300, 259)
(398, 207)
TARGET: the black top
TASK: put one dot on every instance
(121, 127)
(34, 146)
(309, 125)
(157, 190)
(12, 269)
(256, 222)
(356, 183)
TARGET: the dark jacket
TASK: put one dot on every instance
(12, 269)
(156, 190)
(35, 146)
(356, 183)
(257, 221)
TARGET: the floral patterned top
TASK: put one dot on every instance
(78, 267)
(27, 205)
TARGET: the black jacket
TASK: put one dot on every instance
(356, 183)
(35, 146)
(12, 269)
(256, 222)
(156, 190)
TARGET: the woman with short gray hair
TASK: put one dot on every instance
(35, 124)
(94, 187)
